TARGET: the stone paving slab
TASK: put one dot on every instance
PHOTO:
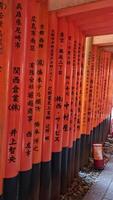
(103, 188)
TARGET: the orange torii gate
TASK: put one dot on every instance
(59, 95)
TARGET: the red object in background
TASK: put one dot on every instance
(98, 156)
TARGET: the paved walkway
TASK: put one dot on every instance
(103, 188)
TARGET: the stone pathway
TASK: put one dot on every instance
(103, 188)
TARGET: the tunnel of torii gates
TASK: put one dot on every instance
(56, 93)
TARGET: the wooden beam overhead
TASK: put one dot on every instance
(96, 32)
(95, 25)
(105, 40)
(91, 15)
(58, 4)
(107, 28)
(95, 19)
(85, 8)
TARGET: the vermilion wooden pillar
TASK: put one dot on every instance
(27, 116)
(5, 60)
(77, 85)
(74, 99)
(66, 162)
(14, 97)
(41, 59)
(48, 127)
(84, 101)
(59, 107)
